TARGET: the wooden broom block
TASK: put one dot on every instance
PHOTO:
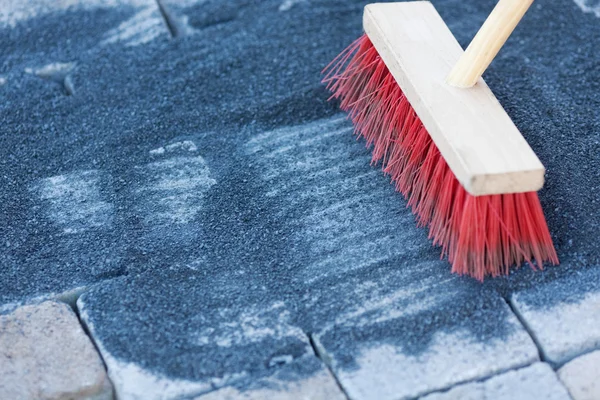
(484, 149)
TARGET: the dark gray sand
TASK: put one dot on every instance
(200, 179)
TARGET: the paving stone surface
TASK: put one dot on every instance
(288, 383)
(424, 337)
(581, 376)
(537, 381)
(179, 163)
(563, 315)
(46, 355)
(221, 336)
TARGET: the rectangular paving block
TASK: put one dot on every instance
(85, 196)
(563, 315)
(537, 381)
(186, 340)
(305, 378)
(46, 355)
(392, 356)
(581, 376)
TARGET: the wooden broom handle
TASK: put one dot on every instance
(485, 45)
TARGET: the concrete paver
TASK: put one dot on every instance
(537, 381)
(387, 332)
(45, 45)
(397, 352)
(288, 383)
(46, 355)
(581, 376)
(223, 337)
(563, 315)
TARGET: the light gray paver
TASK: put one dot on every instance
(537, 381)
(565, 329)
(285, 384)
(390, 369)
(384, 372)
(581, 376)
(221, 337)
(46, 355)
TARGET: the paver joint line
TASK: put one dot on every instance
(318, 354)
(525, 326)
(86, 330)
(167, 18)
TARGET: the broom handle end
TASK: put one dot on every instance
(487, 42)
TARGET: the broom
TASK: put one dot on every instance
(441, 135)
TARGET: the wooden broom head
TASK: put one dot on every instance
(482, 146)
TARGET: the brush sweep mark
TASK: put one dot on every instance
(141, 28)
(377, 306)
(74, 201)
(589, 6)
(53, 71)
(239, 327)
(298, 170)
(287, 5)
(173, 189)
(185, 145)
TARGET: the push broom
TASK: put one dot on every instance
(446, 142)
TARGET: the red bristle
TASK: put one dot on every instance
(481, 236)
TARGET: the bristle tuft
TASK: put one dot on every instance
(481, 236)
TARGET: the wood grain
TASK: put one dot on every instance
(478, 140)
